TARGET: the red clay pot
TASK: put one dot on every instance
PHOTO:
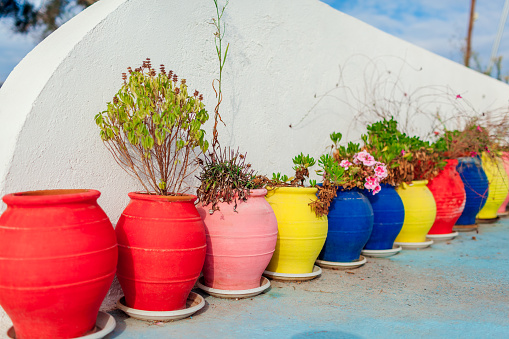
(239, 244)
(58, 255)
(161, 251)
(449, 193)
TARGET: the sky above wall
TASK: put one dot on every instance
(437, 25)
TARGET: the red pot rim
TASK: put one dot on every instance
(162, 198)
(452, 162)
(46, 197)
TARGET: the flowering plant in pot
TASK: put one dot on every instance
(481, 169)
(418, 163)
(346, 174)
(301, 232)
(240, 226)
(153, 130)
(382, 142)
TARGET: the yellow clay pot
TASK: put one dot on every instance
(301, 234)
(420, 211)
(498, 186)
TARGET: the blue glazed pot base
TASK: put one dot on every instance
(342, 265)
(350, 221)
(382, 253)
(389, 214)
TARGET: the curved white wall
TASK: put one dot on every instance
(281, 54)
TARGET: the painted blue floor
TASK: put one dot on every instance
(452, 290)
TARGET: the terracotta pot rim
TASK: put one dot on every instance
(53, 196)
(162, 198)
(258, 192)
(294, 190)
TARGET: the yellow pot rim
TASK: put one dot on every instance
(404, 185)
(293, 190)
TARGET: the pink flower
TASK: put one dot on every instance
(436, 133)
(459, 96)
(371, 183)
(377, 189)
(364, 157)
(473, 154)
(486, 148)
(479, 128)
(403, 152)
(345, 164)
(381, 171)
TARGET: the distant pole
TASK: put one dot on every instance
(496, 43)
(468, 51)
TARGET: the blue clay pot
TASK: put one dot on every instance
(350, 224)
(389, 214)
(476, 187)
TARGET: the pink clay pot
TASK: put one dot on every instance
(239, 244)
(505, 158)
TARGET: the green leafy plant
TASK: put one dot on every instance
(279, 179)
(331, 171)
(153, 128)
(407, 157)
(348, 167)
(301, 163)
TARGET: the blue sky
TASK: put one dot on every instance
(437, 25)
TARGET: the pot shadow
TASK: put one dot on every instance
(323, 334)
(120, 326)
(207, 304)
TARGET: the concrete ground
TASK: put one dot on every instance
(451, 290)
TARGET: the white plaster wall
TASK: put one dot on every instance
(281, 54)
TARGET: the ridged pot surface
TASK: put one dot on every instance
(301, 234)
(498, 186)
(449, 193)
(389, 215)
(476, 188)
(420, 211)
(162, 248)
(239, 244)
(58, 256)
(350, 224)
(505, 159)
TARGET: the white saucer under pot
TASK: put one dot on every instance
(104, 324)
(342, 265)
(294, 276)
(234, 294)
(382, 253)
(414, 245)
(442, 237)
(195, 302)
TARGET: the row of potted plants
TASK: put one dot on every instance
(59, 248)
(274, 225)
